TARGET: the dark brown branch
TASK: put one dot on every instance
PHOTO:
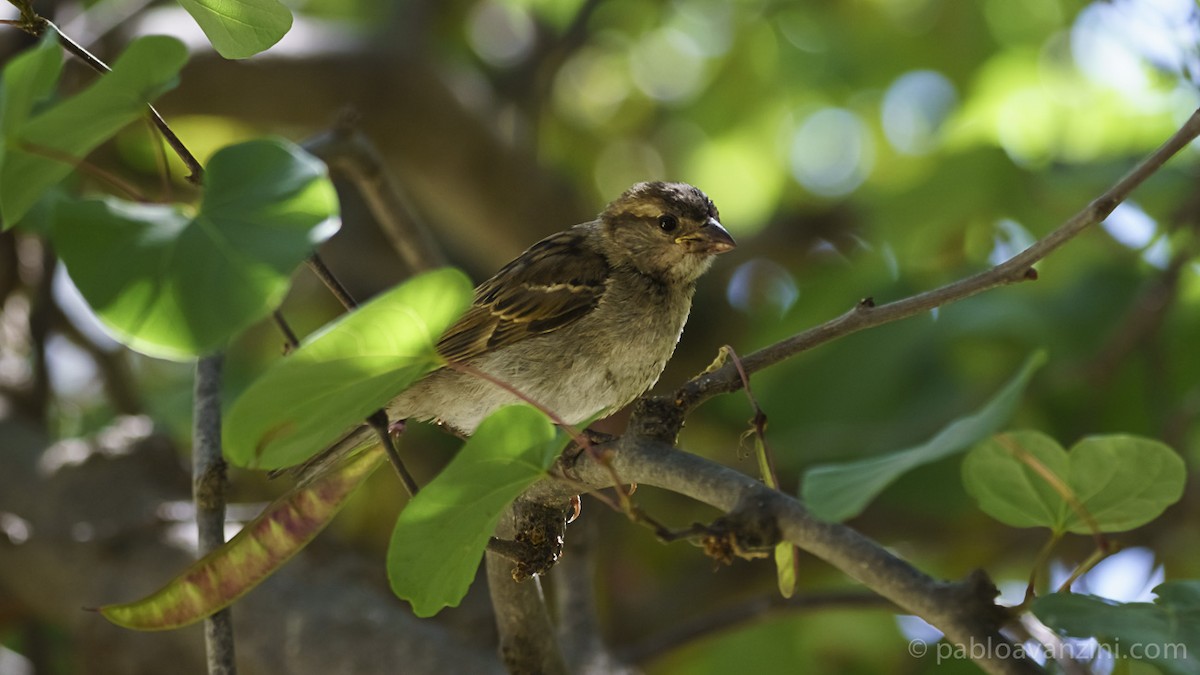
(317, 265)
(1016, 269)
(210, 484)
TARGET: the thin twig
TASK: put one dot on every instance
(36, 25)
(288, 334)
(378, 421)
(1016, 269)
(86, 167)
(348, 151)
(317, 265)
(209, 486)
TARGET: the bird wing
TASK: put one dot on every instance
(558, 281)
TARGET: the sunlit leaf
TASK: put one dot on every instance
(1165, 632)
(441, 535)
(1120, 482)
(343, 373)
(174, 285)
(263, 546)
(43, 149)
(840, 491)
(239, 29)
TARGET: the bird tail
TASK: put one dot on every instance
(322, 462)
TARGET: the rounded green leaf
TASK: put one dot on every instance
(218, 579)
(1120, 482)
(174, 286)
(441, 535)
(343, 373)
(38, 150)
(239, 29)
(1124, 481)
(1009, 490)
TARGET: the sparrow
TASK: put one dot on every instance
(582, 323)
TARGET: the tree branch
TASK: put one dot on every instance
(209, 486)
(965, 610)
(867, 315)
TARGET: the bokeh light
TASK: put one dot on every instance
(501, 33)
(762, 287)
(832, 152)
(914, 108)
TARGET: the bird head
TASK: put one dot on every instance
(668, 230)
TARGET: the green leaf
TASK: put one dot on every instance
(1165, 632)
(786, 568)
(44, 149)
(28, 79)
(346, 371)
(836, 492)
(239, 29)
(218, 579)
(1008, 489)
(441, 535)
(1121, 482)
(174, 286)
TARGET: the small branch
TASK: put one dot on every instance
(349, 152)
(288, 334)
(36, 25)
(317, 265)
(209, 485)
(378, 421)
(1016, 269)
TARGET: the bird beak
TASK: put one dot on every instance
(711, 238)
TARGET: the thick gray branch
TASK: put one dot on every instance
(963, 610)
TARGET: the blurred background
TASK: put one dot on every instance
(856, 148)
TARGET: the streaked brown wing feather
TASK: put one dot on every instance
(555, 283)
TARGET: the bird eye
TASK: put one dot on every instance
(668, 223)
